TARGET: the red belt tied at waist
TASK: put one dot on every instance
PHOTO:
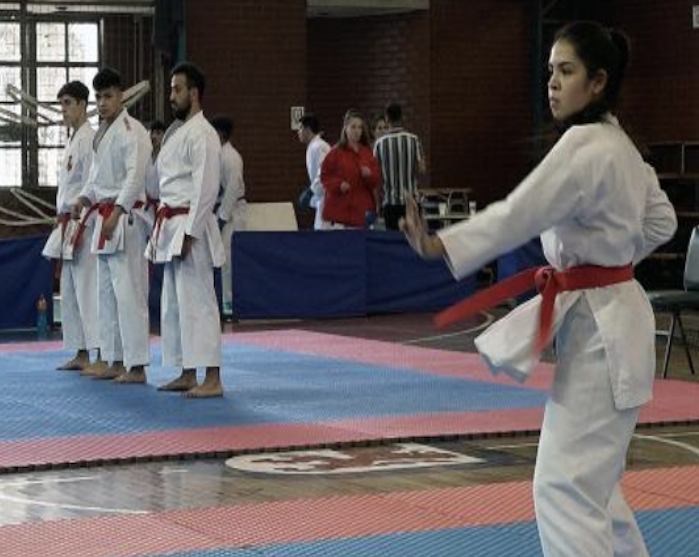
(150, 203)
(83, 225)
(548, 282)
(166, 212)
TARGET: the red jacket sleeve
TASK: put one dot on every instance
(330, 172)
(373, 181)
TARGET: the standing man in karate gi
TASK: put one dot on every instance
(116, 185)
(187, 240)
(78, 265)
(316, 150)
(231, 212)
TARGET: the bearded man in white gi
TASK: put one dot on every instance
(116, 185)
(187, 240)
(231, 211)
(78, 265)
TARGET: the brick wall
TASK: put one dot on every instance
(128, 49)
(661, 98)
(254, 56)
(462, 70)
(480, 104)
(366, 62)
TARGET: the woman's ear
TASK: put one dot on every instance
(599, 82)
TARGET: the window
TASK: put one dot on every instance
(60, 51)
(10, 129)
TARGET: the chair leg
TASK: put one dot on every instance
(668, 345)
(686, 344)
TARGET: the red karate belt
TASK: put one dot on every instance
(105, 209)
(77, 238)
(547, 281)
(165, 212)
(62, 220)
(151, 203)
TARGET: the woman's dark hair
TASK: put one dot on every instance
(599, 48)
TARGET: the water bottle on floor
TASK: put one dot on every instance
(42, 322)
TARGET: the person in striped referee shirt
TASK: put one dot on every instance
(401, 158)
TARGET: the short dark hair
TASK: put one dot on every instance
(106, 78)
(157, 125)
(76, 89)
(394, 112)
(195, 77)
(310, 121)
(224, 125)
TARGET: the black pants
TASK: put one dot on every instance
(392, 214)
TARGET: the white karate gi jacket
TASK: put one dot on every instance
(75, 167)
(316, 151)
(594, 201)
(232, 209)
(152, 192)
(189, 172)
(120, 179)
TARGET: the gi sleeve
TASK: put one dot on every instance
(205, 157)
(551, 193)
(659, 219)
(136, 150)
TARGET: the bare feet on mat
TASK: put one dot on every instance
(95, 368)
(204, 391)
(185, 382)
(77, 363)
(112, 372)
(135, 376)
(210, 388)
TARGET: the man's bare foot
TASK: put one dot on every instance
(136, 375)
(185, 382)
(112, 372)
(77, 363)
(205, 390)
(95, 368)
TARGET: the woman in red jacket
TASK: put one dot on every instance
(350, 176)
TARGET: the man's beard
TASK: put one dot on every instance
(183, 112)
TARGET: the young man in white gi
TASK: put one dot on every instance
(115, 185)
(317, 148)
(78, 265)
(231, 212)
(187, 240)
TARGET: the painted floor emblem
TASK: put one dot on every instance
(400, 456)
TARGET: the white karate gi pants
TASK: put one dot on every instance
(190, 320)
(226, 270)
(580, 508)
(123, 301)
(79, 314)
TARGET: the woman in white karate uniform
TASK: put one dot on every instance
(595, 203)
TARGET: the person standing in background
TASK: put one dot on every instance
(78, 265)
(316, 151)
(350, 176)
(401, 160)
(231, 211)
